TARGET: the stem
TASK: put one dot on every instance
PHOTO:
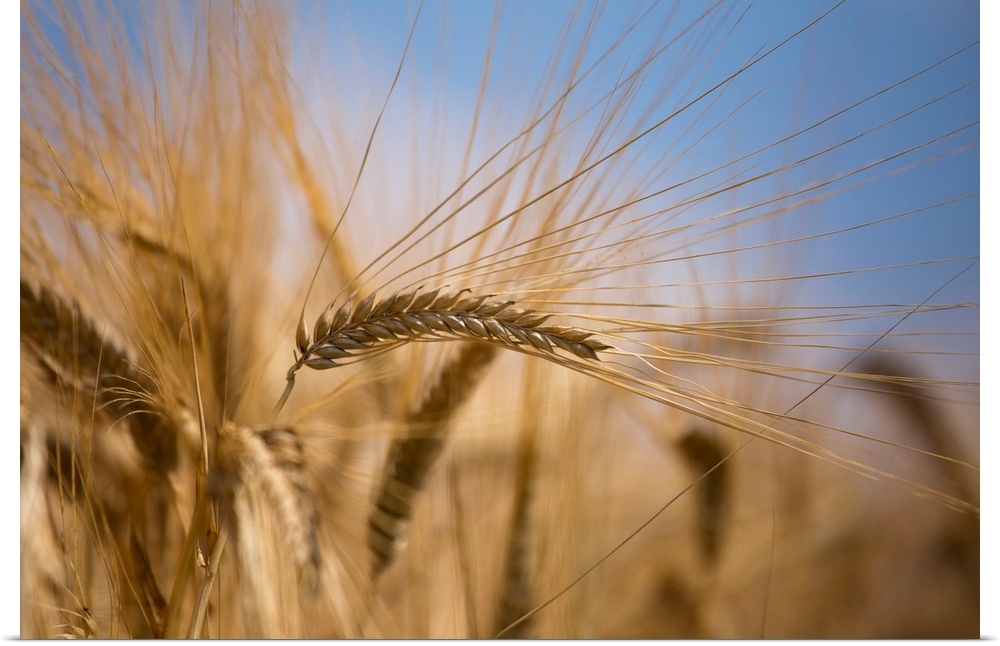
(211, 569)
(284, 396)
(182, 572)
(203, 466)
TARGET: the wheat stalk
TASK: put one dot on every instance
(515, 596)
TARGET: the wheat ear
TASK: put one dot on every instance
(963, 537)
(410, 458)
(76, 355)
(352, 333)
(704, 452)
(409, 316)
(273, 458)
(54, 329)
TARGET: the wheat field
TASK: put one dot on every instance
(465, 320)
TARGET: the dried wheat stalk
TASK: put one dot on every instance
(148, 594)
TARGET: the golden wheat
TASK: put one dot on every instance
(410, 458)
(407, 317)
(581, 309)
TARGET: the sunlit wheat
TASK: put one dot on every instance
(564, 320)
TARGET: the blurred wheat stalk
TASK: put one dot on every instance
(528, 348)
